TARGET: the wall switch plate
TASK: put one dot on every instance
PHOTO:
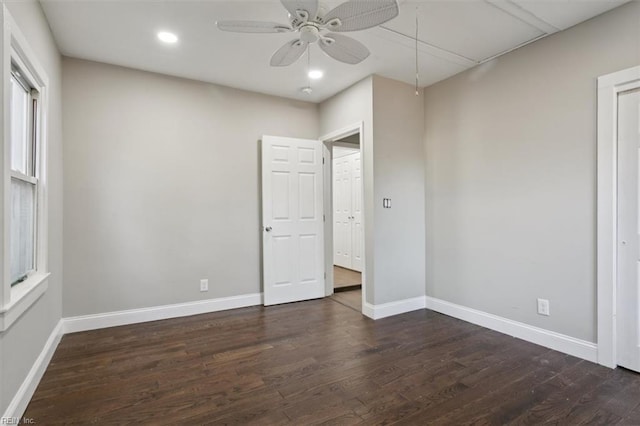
(204, 285)
(386, 203)
(543, 307)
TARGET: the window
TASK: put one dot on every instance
(23, 114)
(23, 166)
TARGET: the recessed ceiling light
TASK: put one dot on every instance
(315, 74)
(167, 37)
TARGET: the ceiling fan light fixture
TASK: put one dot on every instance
(306, 90)
(167, 37)
(309, 34)
(315, 74)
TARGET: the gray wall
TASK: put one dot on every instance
(162, 186)
(23, 342)
(354, 105)
(511, 176)
(393, 167)
(398, 130)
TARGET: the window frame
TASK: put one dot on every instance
(15, 300)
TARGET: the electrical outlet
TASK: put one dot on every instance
(543, 307)
(204, 285)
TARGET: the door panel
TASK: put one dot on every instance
(308, 267)
(282, 252)
(628, 289)
(293, 243)
(342, 212)
(280, 195)
(307, 196)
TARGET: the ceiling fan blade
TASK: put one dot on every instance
(356, 15)
(252, 27)
(344, 49)
(289, 53)
(294, 6)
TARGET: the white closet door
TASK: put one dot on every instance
(348, 233)
(357, 231)
(628, 291)
(342, 189)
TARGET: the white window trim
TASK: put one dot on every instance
(14, 301)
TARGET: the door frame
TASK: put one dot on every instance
(609, 86)
(327, 142)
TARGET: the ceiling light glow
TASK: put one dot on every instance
(315, 74)
(167, 37)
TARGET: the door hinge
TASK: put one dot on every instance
(322, 160)
(325, 275)
(324, 218)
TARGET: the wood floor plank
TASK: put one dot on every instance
(585, 409)
(557, 405)
(320, 362)
(633, 418)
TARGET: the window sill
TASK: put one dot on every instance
(23, 295)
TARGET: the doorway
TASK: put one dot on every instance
(346, 272)
(348, 232)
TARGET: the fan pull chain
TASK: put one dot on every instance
(309, 67)
(417, 69)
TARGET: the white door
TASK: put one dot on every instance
(348, 234)
(628, 294)
(342, 192)
(357, 232)
(292, 219)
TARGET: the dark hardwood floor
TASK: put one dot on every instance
(320, 362)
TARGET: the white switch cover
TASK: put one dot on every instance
(204, 285)
(543, 307)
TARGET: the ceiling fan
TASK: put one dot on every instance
(314, 24)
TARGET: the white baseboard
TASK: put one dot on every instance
(550, 339)
(21, 399)
(393, 308)
(134, 316)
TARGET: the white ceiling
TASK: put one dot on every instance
(454, 35)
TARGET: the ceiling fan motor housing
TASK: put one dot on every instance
(309, 33)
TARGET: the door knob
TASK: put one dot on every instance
(268, 229)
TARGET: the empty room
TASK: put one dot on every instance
(306, 212)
